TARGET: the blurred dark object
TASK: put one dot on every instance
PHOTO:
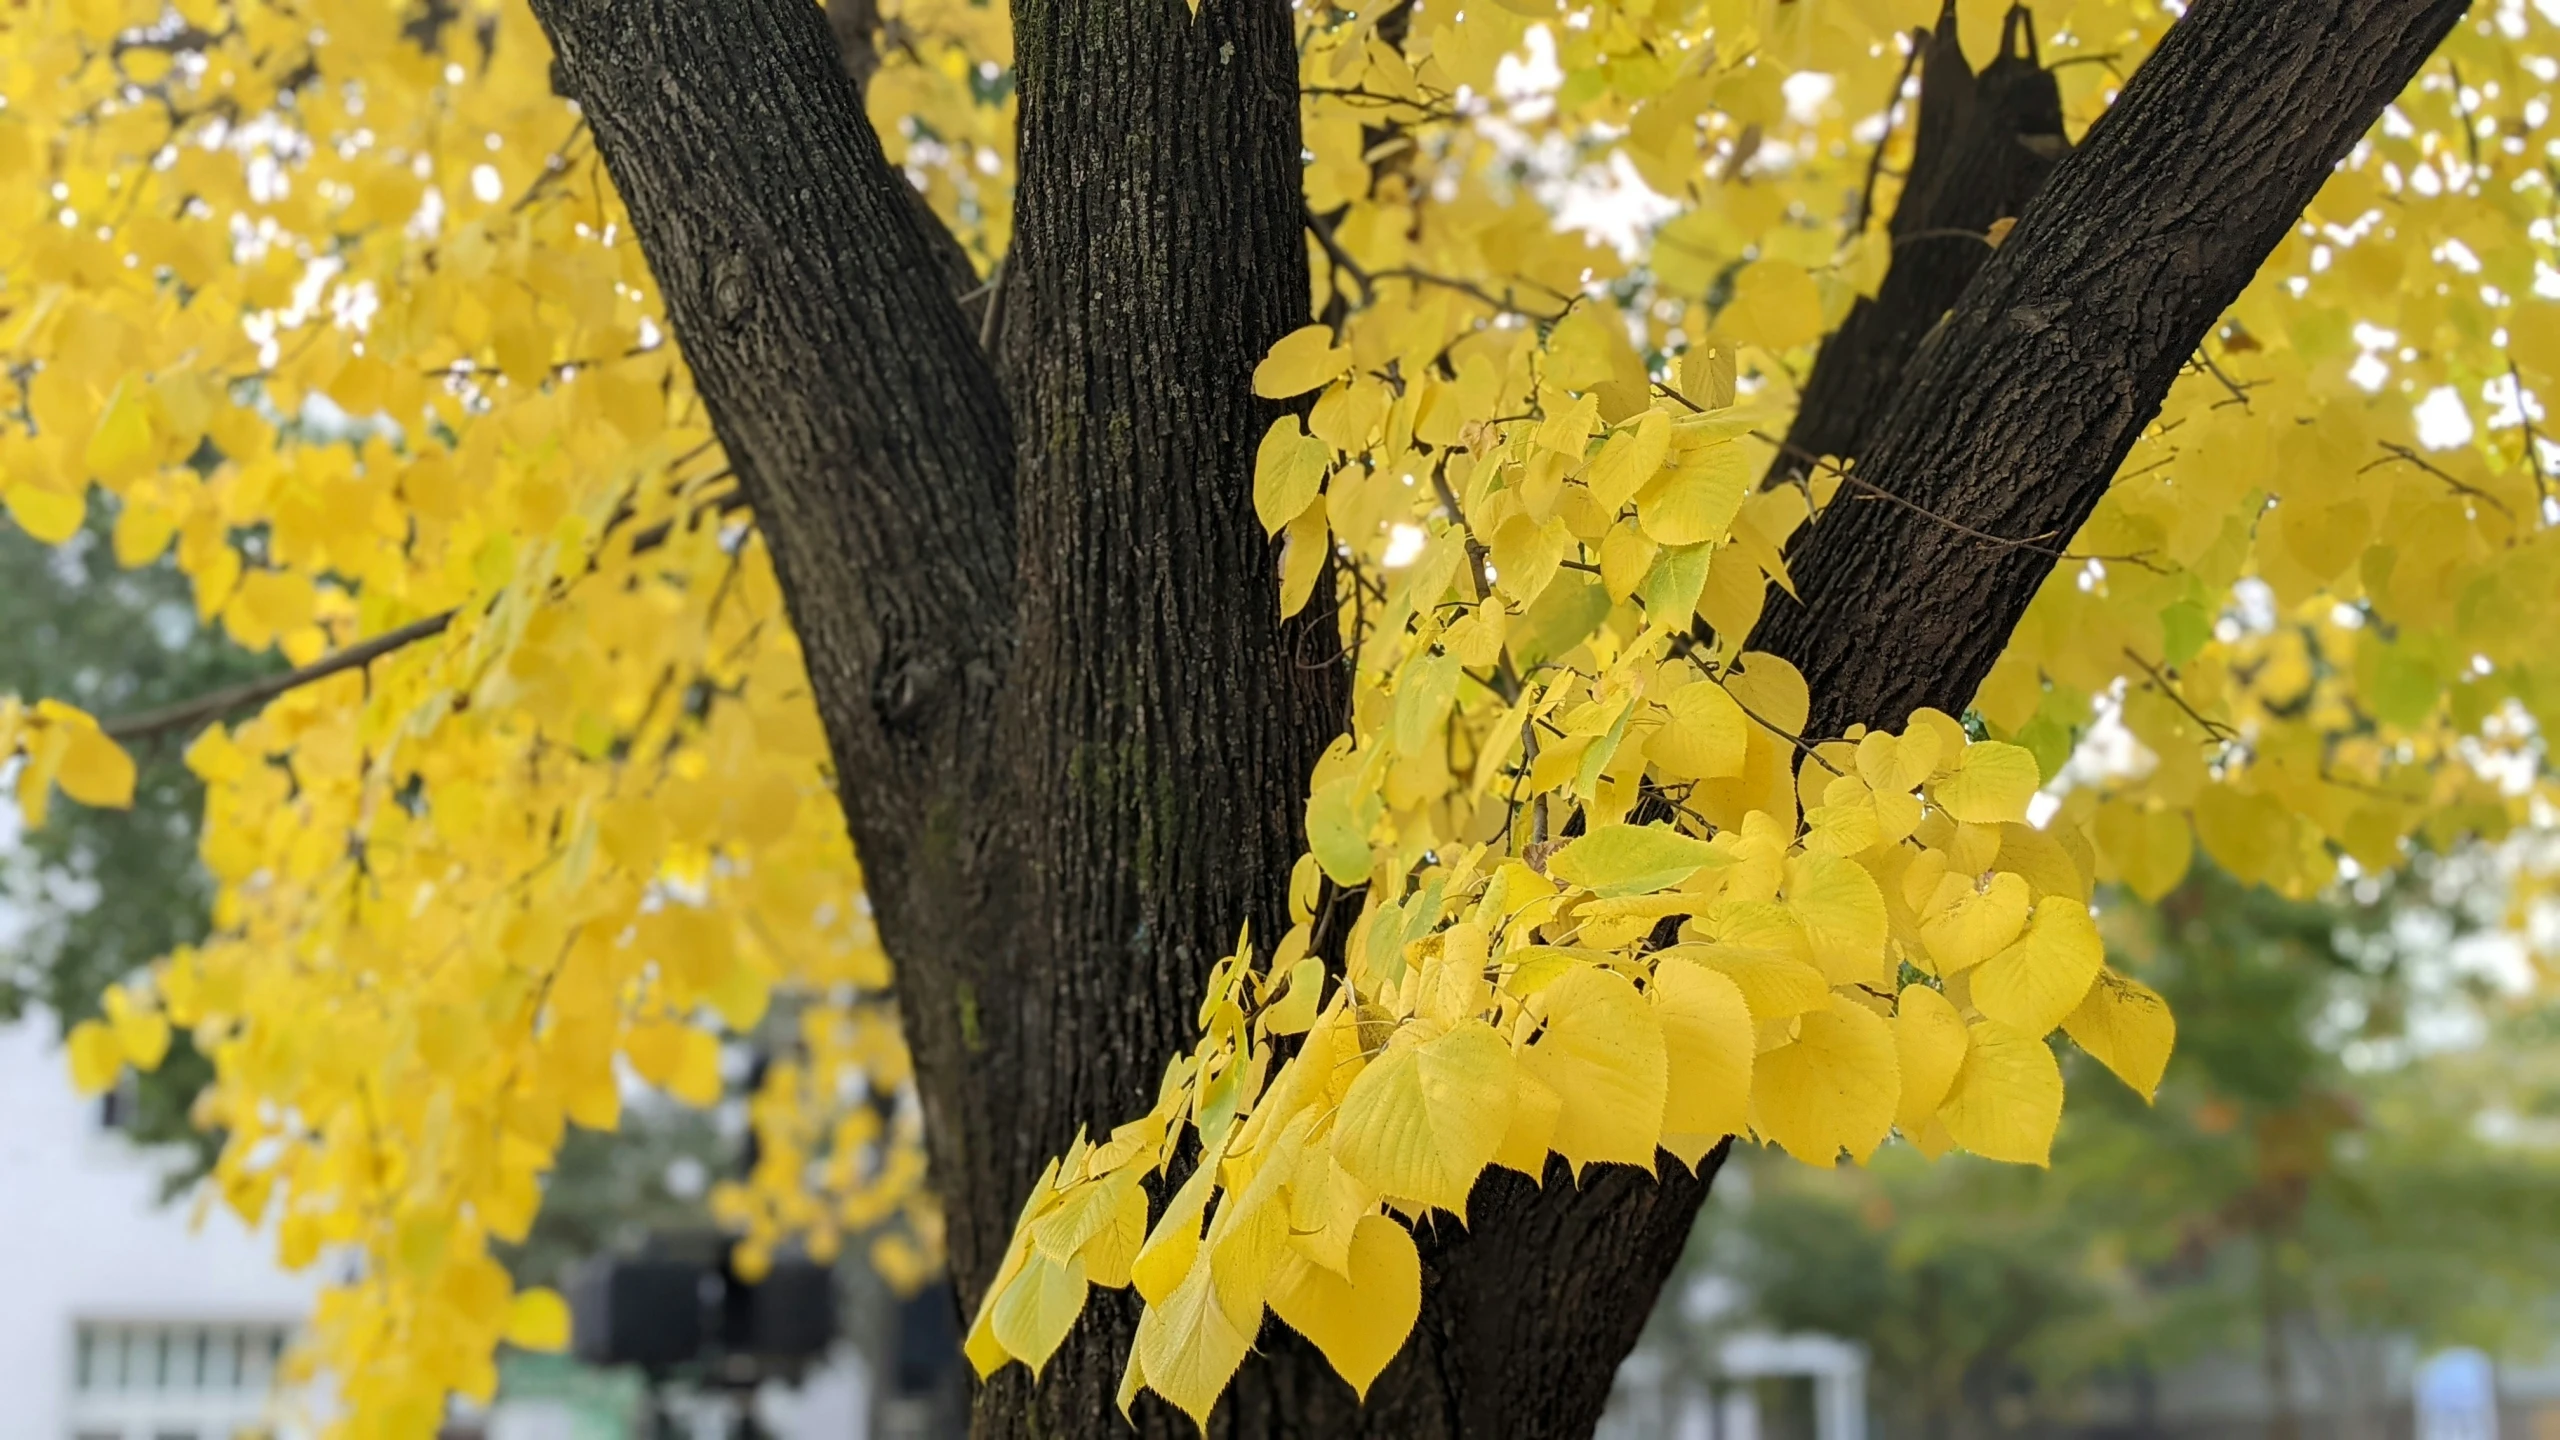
(679, 1304)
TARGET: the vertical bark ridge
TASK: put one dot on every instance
(1163, 727)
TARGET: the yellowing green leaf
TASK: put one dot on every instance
(1620, 859)
(1299, 362)
(1775, 304)
(1424, 1119)
(1704, 733)
(1991, 782)
(1929, 1041)
(1833, 1088)
(2007, 1098)
(2147, 849)
(1602, 1054)
(1361, 1319)
(2128, 1028)
(1708, 1043)
(2039, 979)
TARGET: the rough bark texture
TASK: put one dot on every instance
(1071, 733)
(1986, 143)
(2013, 415)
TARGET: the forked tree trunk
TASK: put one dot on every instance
(1071, 734)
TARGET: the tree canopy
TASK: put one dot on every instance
(1575, 545)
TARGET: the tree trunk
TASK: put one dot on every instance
(1070, 732)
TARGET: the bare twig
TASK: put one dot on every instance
(2532, 440)
(2032, 544)
(2406, 455)
(1875, 162)
(2221, 733)
(188, 714)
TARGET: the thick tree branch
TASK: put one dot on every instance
(817, 316)
(2017, 409)
(1986, 143)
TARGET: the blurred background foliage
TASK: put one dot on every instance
(2355, 1140)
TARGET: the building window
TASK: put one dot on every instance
(180, 1380)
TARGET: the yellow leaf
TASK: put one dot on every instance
(1898, 763)
(1708, 373)
(1617, 859)
(2128, 1028)
(1424, 1119)
(1602, 1053)
(142, 1032)
(1360, 1320)
(1299, 362)
(1834, 1087)
(95, 770)
(1695, 501)
(47, 514)
(1037, 1309)
(1113, 1249)
(1707, 1039)
(1174, 1245)
(1843, 915)
(2035, 982)
(96, 1057)
(1991, 782)
(1966, 924)
(1529, 1137)
(1304, 548)
(1929, 1043)
(538, 1319)
(1288, 472)
(1703, 736)
(1775, 304)
(1628, 459)
(1187, 1348)
(2007, 1098)
(122, 446)
(2148, 849)
(1773, 985)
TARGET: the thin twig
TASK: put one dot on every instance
(2033, 545)
(187, 714)
(2220, 732)
(995, 303)
(1945, 233)
(2532, 441)
(2204, 359)
(1875, 162)
(2402, 452)
(1341, 258)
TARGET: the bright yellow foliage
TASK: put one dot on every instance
(380, 349)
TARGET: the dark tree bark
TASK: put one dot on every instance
(2013, 415)
(1986, 142)
(1070, 732)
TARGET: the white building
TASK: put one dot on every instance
(119, 1318)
